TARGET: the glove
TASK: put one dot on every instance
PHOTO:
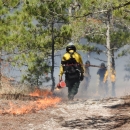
(81, 77)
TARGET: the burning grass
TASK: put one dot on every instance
(40, 92)
(42, 99)
(19, 108)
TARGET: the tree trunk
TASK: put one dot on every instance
(108, 50)
(70, 11)
(0, 69)
(113, 59)
(52, 56)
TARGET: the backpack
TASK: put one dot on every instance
(71, 68)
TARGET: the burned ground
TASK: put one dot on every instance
(80, 114)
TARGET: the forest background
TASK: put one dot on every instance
(34, 34)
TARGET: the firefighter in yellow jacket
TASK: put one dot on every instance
(72, 67)
(112, 78)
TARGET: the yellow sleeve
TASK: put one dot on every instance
(61, 67)
(61, 71)
(81, 63)
(113, 76)
(105, 76)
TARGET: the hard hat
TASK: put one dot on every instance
(87, 62)
(70, 46)
(102, 64)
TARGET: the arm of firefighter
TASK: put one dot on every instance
(85, 74)
(61, 69)
(98, 82)
(81, 63)
(113, 76)
(61, 73)
(105, 77)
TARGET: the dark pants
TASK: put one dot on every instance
(103, 88)
(73, 86)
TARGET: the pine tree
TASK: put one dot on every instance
(36, 32)
(105, 22)
(6, 9)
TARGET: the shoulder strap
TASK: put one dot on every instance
(64, 58)
(71, 54)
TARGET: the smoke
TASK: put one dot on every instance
(122, 86)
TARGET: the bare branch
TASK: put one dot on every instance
(121, 5)
(127, 11)
(102, 11)
(93, 33)
(99, 59)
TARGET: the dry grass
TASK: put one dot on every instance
(8, 88)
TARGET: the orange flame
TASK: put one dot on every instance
(32, 106)
(39, 92)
